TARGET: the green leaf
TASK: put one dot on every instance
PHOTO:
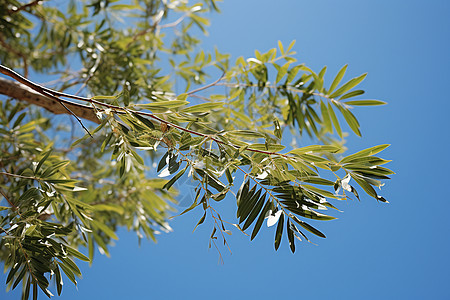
(248, 204)
(277, 129)
(248, 134)
(164, 104)
(366, 152)
(365, 102)
(337, 79)
(318, 180)
(162, 162)
(19, 119)
(108, 231)
(109, 207)
(282, 71)
(316, 148)
(335, 120)
(264, 147)
(204, 107)
(66, 261)
(290, 235)
(352, 94)
(310, 214)
(58, 280)
(313, 158)
(124, 7)
(326, 120)
(280, 45)
(279, 231)
(202, 219)
(351, 119)
(100, 97)
(67, 271)
(26, 290)
(174, 165)
(254, 212)
(211, 179)
(168, 185)
(13, 271)
(41, 162)
(241, 195)
(348, 85)
(145, 121)
(366, 186)
(308, 227)
(20, 277)
(77, 254)
(260, 220)
(369, 161)
(35, 290)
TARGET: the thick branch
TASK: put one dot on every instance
(23, 93)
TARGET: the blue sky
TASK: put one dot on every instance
(374, 250)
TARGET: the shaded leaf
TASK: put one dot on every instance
(308, 227)
(254, 212)
(279, 232)
(335, 120)
(260, 220)
(202, 219)
(290, 235)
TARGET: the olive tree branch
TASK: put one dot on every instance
(51, 97)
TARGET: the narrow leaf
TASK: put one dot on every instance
(290, 235)
(174, 179)
(365, 102)
(260, 220)
(203, 107)
(202, 219)
(308, 227)
(255, 211)
(279, 232)
(335, 120)
(366, 152)
(348, 85)
(337, 79)
(351, 120)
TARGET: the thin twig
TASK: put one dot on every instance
(18, 176)
(174, 23)
(23, 7)
(9, 201)
(206, 86)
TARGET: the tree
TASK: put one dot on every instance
(157, 110)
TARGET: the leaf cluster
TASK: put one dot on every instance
(66, 194)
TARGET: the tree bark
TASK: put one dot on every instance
(21, 92)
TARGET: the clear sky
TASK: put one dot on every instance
(374, 250)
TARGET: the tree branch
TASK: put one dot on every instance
(56, 102)
(25, 6)
(22, 92)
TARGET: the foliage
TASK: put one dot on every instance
(130, 60)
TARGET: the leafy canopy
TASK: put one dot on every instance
(156, 110)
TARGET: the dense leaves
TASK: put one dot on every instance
(65, 192)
